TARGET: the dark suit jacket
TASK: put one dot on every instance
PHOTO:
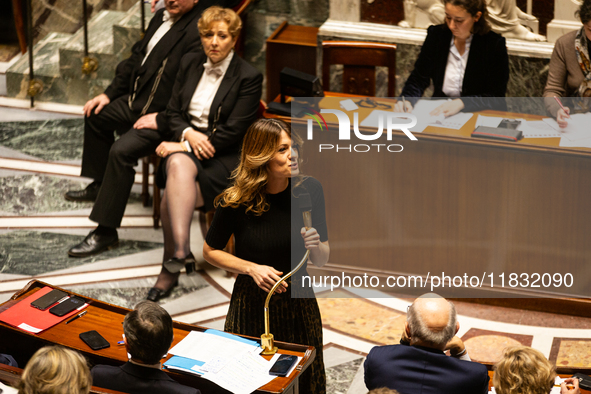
(182, 38)
(487, 70)
(414, 369)
(237, 101)
(135, 379)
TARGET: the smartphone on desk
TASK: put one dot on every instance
(67, 306)
(94, 340)
(283, 365)
(49, 299)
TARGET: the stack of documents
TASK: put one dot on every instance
(578, 132)
(230, 361)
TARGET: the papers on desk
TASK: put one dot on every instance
(230, 361)
(578, 132)
(422, 110)
(4, 389)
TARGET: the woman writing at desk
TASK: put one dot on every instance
(214, 100)
(570, 69)
(257, 209)
(466, 61)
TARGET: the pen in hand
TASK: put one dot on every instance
(403, 104)
(76, 317)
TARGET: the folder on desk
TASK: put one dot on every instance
(22, 315)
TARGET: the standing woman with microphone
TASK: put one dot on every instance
(269, 235)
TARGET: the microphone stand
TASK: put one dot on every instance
(267, 341)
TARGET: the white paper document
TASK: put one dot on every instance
(422, 110)
(205, 347)
(243, 375)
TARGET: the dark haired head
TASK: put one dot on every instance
(148, 332)
(584, 12)
(473, 7)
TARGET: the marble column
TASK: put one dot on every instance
(345, 10)
(564, 19)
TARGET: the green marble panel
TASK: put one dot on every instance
(32, 194)
(34, 252)
(54, 140)
(129, 297)
(26, 195)
(45, 57)
(128, 31)
(100, 46)
(339, 377)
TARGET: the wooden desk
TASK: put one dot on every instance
(289, 46)
(107, 319)
(454, 204)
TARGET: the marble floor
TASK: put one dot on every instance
(40, 160)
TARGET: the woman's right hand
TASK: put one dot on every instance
(562, 116)
(265, 277)
(200, 144)
(403, 106)
(570, 386)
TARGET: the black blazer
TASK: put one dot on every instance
(182, 38)
(136, 379)
(414, 369)
(238, 97)
(487, 70)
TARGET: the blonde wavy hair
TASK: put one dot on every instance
(219, 14)
(251, 176)
(523, 370)
(56, 370)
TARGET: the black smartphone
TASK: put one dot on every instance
(94, 340)
(283, 365)
(67, 306)
(49, 299)
(584, 380)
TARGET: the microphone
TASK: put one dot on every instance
(267, 339)
(305, 203)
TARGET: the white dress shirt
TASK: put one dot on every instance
(208, 86)
(455, 69)
(167, 23)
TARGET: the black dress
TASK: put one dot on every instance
(274, 239)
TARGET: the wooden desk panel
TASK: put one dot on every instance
(107, 319)
(457, 204)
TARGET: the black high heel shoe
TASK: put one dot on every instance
(155, 294)
(175, 264)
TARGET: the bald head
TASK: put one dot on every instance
(431, 321)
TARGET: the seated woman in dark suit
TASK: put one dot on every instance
(465, 60)
(215, 99)
(570, 69)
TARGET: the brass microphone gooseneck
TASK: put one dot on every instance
(267, 341)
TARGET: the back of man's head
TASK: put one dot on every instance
(432, 321)
(148, 332)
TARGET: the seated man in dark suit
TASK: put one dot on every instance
(148, 336)
(133, 106)
(419, 364)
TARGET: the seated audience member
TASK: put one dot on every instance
(569, 73)
(419, 364)
(465, 60)
(148, 336)
(8, 360)
(383, 390)
(525, 370)
(55, 370)
(214, 101)
(133, 106)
